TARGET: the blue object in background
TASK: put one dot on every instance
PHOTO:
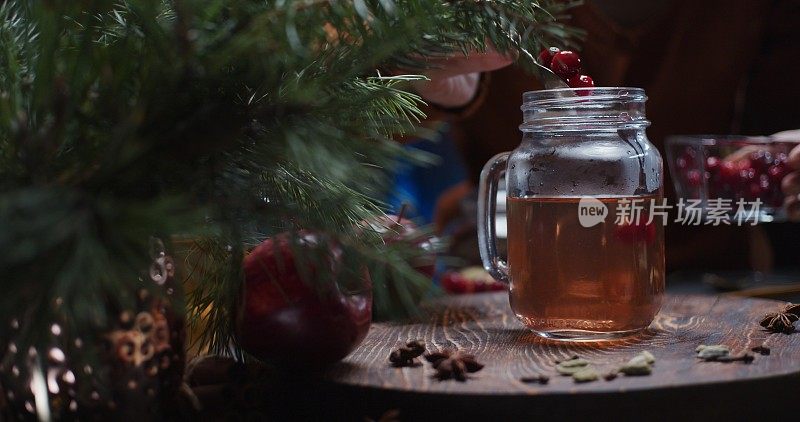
(421, 186)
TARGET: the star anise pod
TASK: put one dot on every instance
(406, 355)
(453, 364)
(782, 322)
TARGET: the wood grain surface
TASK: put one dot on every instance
(484, 325)
(365, 387)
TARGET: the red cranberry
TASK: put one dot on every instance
(580, 81)
(713, 163)
(686, 159)
(694, 177)
(776, 173)
(566, 64)
(760, 160)
(744, 164)
(728, 172)
(546, 56)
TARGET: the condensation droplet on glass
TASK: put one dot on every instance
(15, 323)
(12, 347)
(87, 370)
(56, 355)
(68, 377)
(170, 290)
(10, 395)
(55, 329)
(132, 384)
(95, 395)
(15, 370)
(73, 405)
(228, 248)
(59, 301)
(78, 343)
(29, 406)
(32, 352)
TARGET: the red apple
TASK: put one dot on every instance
(295, 318)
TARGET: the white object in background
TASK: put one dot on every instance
(500, 221)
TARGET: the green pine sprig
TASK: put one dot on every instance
(219, 121)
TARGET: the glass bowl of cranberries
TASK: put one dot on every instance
(725, 171)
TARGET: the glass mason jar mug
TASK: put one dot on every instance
(585, 257)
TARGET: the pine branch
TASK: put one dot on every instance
(223, 121)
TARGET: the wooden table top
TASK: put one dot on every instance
(484, 325)
(365, 387)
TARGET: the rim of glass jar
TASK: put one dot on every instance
(545, 97)
(580, 109)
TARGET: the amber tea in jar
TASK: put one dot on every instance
(587, 153)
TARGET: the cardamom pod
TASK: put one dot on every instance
(569, 367)
(648, 357)
(636, 366)
(586, 374)
(711, 352)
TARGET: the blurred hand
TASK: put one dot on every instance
(454, 80)
(791, 183)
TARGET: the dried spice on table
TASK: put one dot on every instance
(721, 353)
(535, 379)
(453, 364)
(641, 364)
(580, 369)
(406, 356)
(783, 321)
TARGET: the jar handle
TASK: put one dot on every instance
(487, 206)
